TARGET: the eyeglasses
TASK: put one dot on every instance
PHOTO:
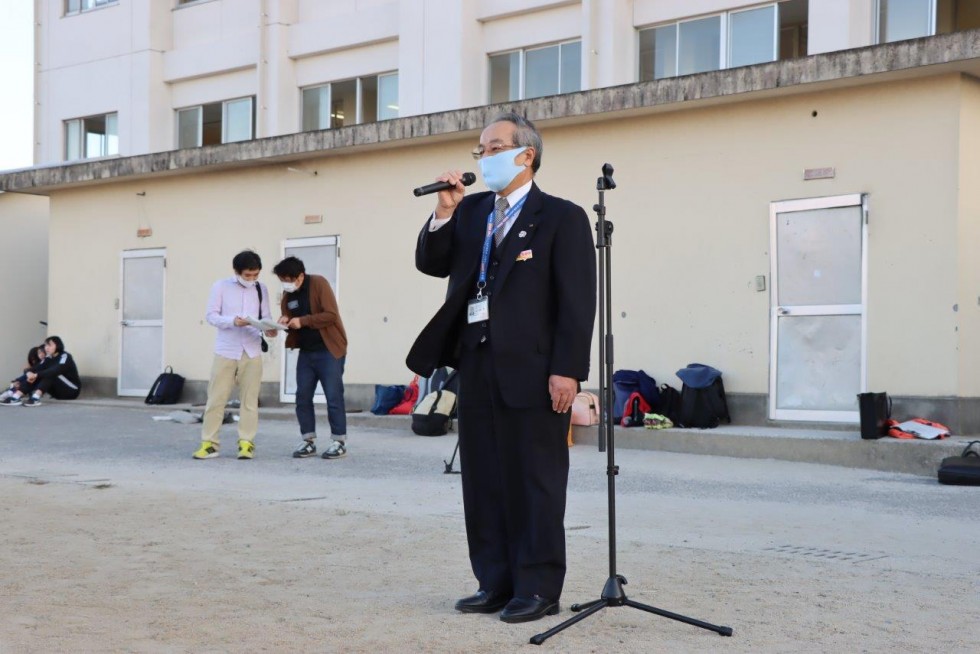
(481, 151)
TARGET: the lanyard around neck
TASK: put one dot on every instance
(481, 283)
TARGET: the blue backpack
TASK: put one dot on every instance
(627, 382)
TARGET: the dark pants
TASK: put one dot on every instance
(514, 466)
(325, 368)
(57, 387)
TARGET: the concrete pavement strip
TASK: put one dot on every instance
(829, 446)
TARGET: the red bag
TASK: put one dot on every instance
(411, 396)
(634, 410)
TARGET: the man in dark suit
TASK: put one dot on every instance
(517, 322)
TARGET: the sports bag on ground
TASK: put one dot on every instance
(433, 416)
(409, 399)
(626, 382)
(386, 398)
(433, 383)
(166, 389)
(669, 403)
(875, 409)
(962, 470)
(703, 403)
(585, 409)
(634, 410)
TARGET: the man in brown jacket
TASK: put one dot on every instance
(309, 310)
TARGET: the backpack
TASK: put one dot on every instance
(433, 416)
(703, 404)
(585, 409)
(433, 383)
(166, 389)
(634, 410)
(669, 404)
(626, 382)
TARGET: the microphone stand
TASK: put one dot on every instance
(612, 592)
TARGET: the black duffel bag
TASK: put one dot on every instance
(962, 470)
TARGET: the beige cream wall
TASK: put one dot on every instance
(24, 271)
(968, 237)
(692, 233)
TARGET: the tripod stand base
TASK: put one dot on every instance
(613, 595)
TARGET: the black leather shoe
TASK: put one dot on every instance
(483, 601)
(527, 609)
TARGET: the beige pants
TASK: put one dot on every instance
(225, 374)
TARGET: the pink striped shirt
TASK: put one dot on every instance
(229, 299)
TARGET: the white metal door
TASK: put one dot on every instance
(320, 256)
(141, 311)
(818, 330)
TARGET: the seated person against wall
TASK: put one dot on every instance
(56, 375)
(34, 357)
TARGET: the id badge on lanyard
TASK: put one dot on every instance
(478, 309)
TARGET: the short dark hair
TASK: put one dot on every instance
(246, 260)
(33, 358)
(290, 268)
(526, 136)
(58, 343)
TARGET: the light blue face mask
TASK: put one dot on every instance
(500, 170)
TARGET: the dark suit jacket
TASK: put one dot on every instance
(542, 309)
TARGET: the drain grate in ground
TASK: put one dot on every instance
(825, 554)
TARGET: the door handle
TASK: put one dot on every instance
(124, 323)
(783, 312)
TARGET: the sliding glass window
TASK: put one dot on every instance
(350, 102)
(905, 19)
(735, 38)
(91, 137)
(536, 72)
(229, 121)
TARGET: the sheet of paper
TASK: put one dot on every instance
(264, 324)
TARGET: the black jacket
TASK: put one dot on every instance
(60, 365)
(542, 309)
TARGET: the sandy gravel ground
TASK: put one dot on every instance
(133, 547)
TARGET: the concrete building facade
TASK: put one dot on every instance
(803, 223)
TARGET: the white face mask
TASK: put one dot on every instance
(289, 287)
(244, 282)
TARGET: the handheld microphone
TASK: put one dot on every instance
(435, 187)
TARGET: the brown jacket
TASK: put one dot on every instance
(324, 316)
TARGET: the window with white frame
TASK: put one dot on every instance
(733, 38)
(77, 6)
(91, 137)
(218, 122)
(897, 20)
(905, 19)
(350, 102)
(536, 72)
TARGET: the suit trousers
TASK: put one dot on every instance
(514, 465)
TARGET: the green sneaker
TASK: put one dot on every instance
(246, 449)
(208, 450)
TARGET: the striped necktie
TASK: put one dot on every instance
(499, 218)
